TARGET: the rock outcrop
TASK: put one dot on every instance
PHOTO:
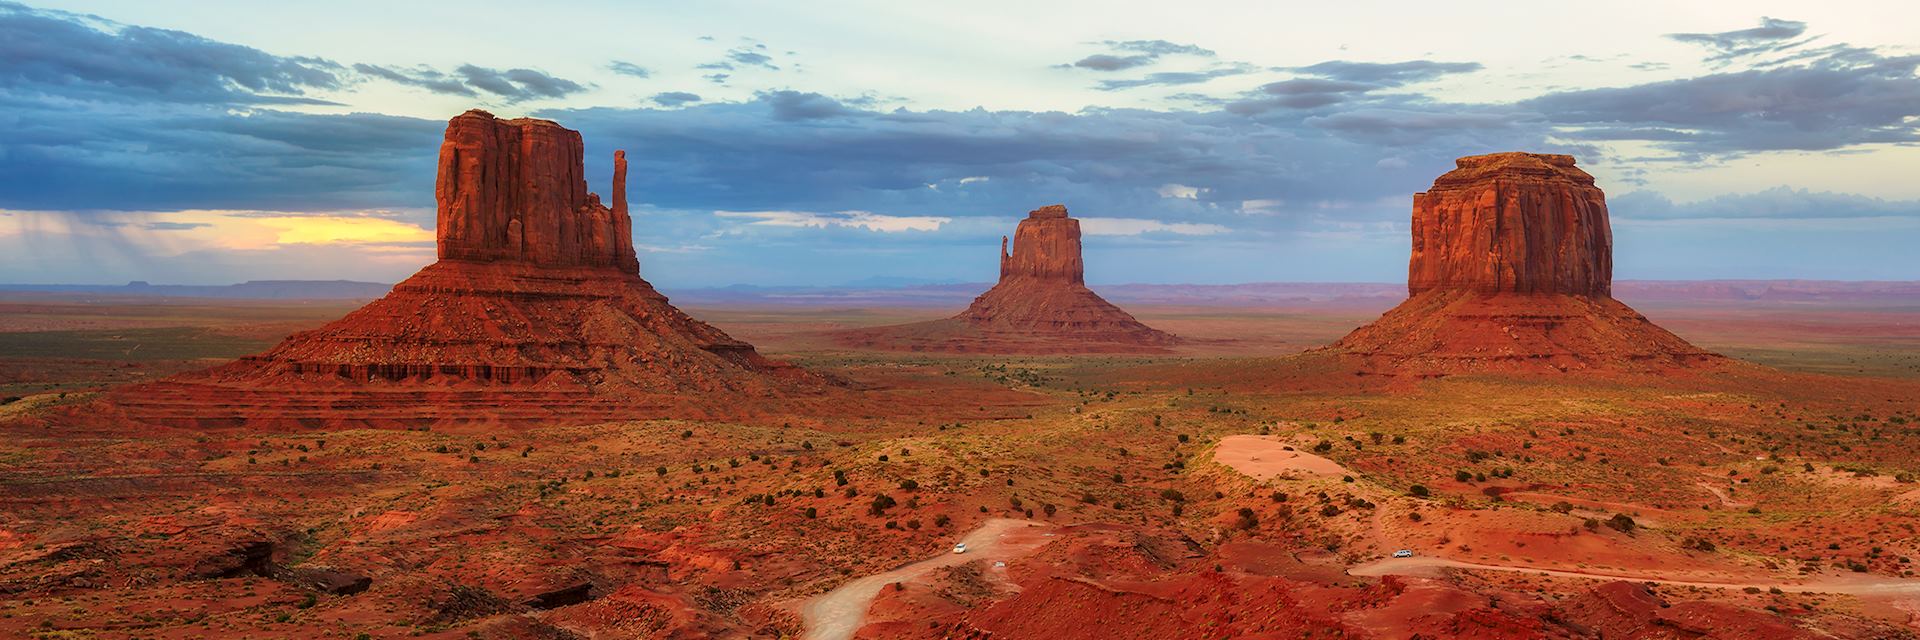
(514, 191)
(1512, 223)
(1040, 305)
(1512, 269)
(535, 312)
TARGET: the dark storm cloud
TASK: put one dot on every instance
(86, 58)
(1773, 35)
(675, 98)
(625, 68)
(809, 152)
(789, 106)
(1840, 98)
(53, 157)
(1385, 74)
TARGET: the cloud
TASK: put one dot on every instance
(1773, 35)
(675, 98)
(716, 78)
(852, 219)
(87, 58)
(518, 84)
(1386, 74)
(1778, 203)
(1175, 78)
(1110, 62)
(751, 58)
(467, 80)
(629, 69)
(422, 77)
(790, 106)
(175, 226)
(111, 157)
(1136, 53)
(1179, 191)
(1138, 226)
(1838, 98)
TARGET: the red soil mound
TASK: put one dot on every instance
(535, 311)
(1512, 270)
(1041, 305)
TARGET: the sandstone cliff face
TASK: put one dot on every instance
(1046, 246)
(514, 190)
(1512, 270)
(535, 312)
(1512, 223)
(1040, 305)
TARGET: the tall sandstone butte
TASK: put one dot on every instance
(535, 312)
(1040, 305)
(1512, 269)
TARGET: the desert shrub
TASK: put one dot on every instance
(1419, 491)
(1278, 496)
(909, 484)
(881, 503)
(1246, 519)
(813, 512)
(1173, 495)
(1463, 476)
(1622, 522)
(1329, 510)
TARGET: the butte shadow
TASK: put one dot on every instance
(1512, 271)
(535, 313)
(1041, 305)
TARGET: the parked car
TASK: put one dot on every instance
(1403, 553)
(960, 548)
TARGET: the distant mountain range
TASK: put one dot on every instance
(890, 292)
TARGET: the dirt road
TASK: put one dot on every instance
(837, 614)
(1860, 586)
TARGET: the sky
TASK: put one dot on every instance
(835, 143)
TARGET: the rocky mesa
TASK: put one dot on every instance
(535, 311)
(1040, 305)
(1512, 269)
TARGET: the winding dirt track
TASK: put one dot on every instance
(837, 614)
(1862, 586)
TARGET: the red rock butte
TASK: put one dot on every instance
(1512, 269)
(535, 312)
(1040, 305)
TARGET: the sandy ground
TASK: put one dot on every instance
(837, 614)
(1268, 457)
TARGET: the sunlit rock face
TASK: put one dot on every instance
(535, 313)
(1512, 270)
(1512, 223)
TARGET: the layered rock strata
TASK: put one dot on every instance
(1512, 269)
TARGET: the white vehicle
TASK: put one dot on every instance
(1403, 553)
(960, 548)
